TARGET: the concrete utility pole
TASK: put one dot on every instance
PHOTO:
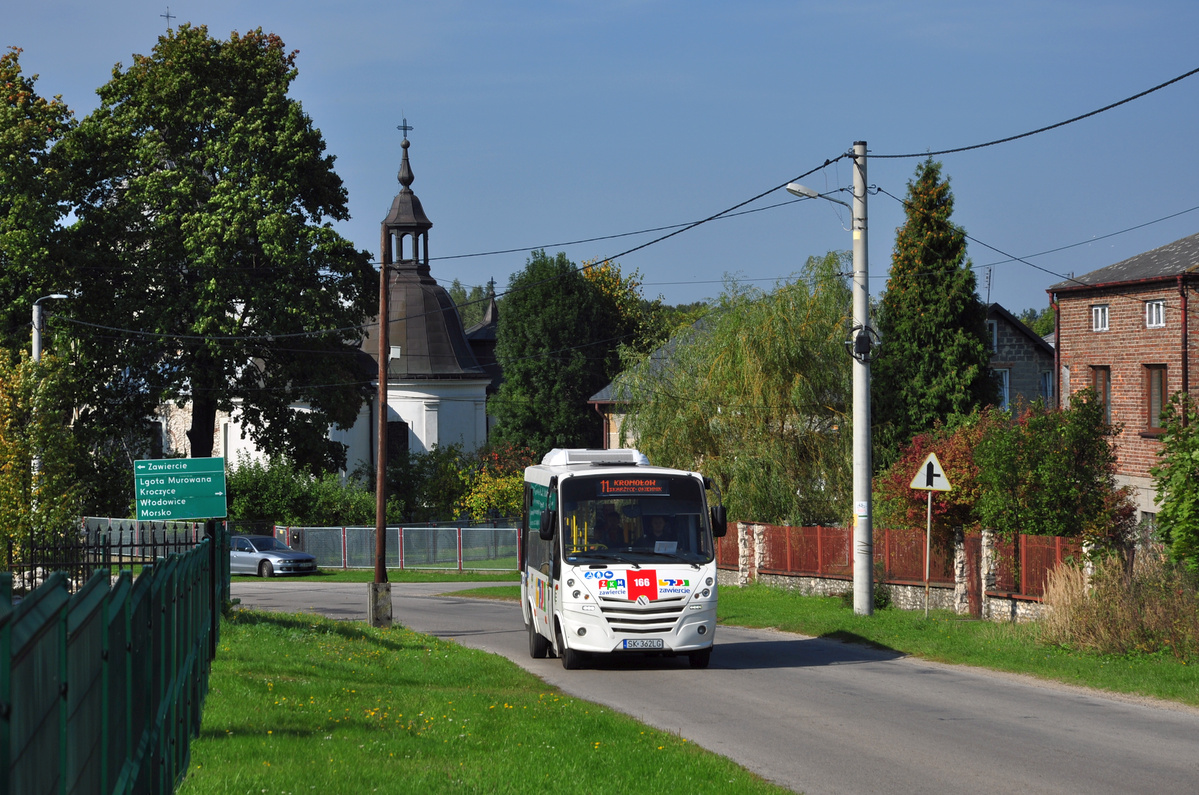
(863, 340)
(863, 529)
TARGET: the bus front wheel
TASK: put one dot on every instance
(700, 659)
(571, 659)
(539, 647)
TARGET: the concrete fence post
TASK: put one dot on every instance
(987, 566)
(744, 554)
(961, 575)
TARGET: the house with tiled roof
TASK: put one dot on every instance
(1021, 360)
(1128, 331)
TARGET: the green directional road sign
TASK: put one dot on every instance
(180, 488)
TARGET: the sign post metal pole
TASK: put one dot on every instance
(930, 477)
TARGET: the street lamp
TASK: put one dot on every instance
(863, 532)
(37, 323)
(804, 192)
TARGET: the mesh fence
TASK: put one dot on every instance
(478, 548)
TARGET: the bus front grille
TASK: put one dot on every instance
(658, 616)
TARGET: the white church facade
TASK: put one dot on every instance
(436, 388)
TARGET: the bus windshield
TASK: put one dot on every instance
(634, 517)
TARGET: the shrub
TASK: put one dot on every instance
(280, 491)
(1152, 608)
(1175, 477)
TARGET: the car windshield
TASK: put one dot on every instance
(634, 518)
(268, 544)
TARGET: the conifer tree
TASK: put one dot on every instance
(933, 361)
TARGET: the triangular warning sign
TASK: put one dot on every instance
(930, 476)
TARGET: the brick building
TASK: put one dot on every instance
(1128, 331)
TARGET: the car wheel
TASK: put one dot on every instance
(571, 659)
(700, 659)
(265, 569)
(539, 647)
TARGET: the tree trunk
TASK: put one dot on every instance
(203, 427)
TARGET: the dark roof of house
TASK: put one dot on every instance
(617, 392)
(1016, 323)
(1169, 261)
(485, 328)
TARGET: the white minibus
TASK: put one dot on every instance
(618, 557)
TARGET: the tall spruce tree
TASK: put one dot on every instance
(933, 361)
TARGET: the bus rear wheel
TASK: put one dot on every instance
(539, 647)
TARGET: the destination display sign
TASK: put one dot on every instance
(627, 485)
(180, 488)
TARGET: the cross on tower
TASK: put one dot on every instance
(404, 128)
(168, 16)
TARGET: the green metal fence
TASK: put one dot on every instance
(101, 690)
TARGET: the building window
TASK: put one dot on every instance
(1003, 377)
(1099, 317)
(1155, 314)
(1065, 386)
(1101, 381)
(1155, 394)
(992, 336)
(1047, 386)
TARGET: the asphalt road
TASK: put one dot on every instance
(826, 717)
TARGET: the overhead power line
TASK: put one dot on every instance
(1040, 130)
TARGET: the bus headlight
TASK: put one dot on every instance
(574, 594)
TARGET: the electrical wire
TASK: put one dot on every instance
(1040, 130)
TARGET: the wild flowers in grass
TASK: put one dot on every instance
(297, 703)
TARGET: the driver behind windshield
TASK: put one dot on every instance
(610, 531)
(657, 528)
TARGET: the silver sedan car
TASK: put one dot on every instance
(266, 556)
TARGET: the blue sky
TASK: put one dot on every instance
(537, 123)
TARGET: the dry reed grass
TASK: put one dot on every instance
(1152, 609)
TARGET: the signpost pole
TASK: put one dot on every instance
(928, 545)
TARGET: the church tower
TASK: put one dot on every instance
(435, 385)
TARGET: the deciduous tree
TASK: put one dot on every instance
(756, 395)
(1176, 477)
(35, 500)
(32, 198)
(208, 268)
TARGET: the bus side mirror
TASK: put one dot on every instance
(720, 521)
(548, 520)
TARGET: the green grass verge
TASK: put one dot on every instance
(945, 637)
(394, 575)
(299, 703)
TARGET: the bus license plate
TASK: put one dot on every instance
(643, 643)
